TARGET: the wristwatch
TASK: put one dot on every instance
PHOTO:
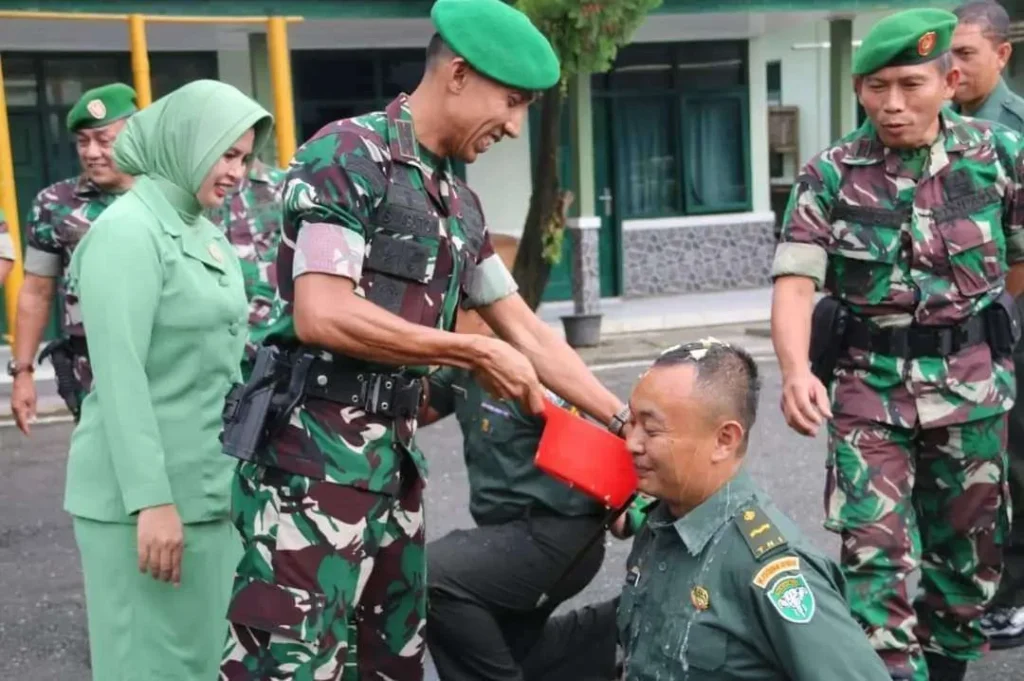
(14, 367)
(619, 421)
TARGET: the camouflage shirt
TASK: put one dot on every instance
(337, 222)
(251, 218)
(6, 245)
(912, 238)
(61, 215)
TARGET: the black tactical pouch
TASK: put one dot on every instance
(828, 331)
(1002, 325)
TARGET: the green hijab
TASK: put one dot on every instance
(178, 138)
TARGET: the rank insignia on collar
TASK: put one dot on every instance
(700, 598)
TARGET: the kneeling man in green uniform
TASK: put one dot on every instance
(720, 584)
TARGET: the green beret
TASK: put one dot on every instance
(915, 36)
(499, 41)
(102, 106)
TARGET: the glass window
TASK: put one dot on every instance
(642, 66)
(646, 157)
(401, 71)
(67, 78)
(711, 66)
(773, 71)
(20, 82)
(315, 116)
(169, 71)
(335, 75)
(714, 145)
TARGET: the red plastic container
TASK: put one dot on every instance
(585, 456)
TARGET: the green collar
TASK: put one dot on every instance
(989, 109)
(697, 527)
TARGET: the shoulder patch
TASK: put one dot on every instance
(759, 531)
(774, 568)
(792, 598)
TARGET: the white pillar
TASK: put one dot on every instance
(760, 177)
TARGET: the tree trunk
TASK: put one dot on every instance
(531, 270)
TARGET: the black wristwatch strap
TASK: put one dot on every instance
(619, 421)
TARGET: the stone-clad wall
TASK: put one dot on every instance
(693, 254)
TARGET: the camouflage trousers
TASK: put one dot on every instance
(327, 568)
(933, 499)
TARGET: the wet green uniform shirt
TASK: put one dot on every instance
(733, 591)
(499, 443)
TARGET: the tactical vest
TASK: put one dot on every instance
(411, 262)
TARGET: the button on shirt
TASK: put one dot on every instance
(702, 600)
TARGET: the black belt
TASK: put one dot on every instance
(78, 345)
(908, 342)
(389, 395)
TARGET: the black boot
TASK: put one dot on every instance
(942, 668)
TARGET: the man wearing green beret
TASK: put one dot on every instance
(6, 249)
(61, 214)
(981, 48)
(913, 225)
(381, 245)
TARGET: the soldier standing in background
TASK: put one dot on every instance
(60, 216)
(981, 49)
(6, 249)
(251, 220)
(382, 244)
(914, 225)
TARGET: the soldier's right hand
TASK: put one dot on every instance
(161, 541)
(507, 373)
(23, 401)
(805, 402)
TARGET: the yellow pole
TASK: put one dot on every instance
(281, 80)
(140, 59)
(9, 202)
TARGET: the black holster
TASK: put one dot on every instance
(1003, 325)
(828, 332)
(61, 353)
(258, 408)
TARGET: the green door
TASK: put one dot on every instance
(560, 280)
(29, 154)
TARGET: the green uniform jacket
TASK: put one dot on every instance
(165, 308)
(500, 442)
(733, 591)
(1002, 106)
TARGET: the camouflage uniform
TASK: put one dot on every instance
(61, 215)
(6, 245)
(916, 470)
(252, 216)
(333, 527)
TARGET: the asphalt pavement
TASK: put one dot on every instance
(42, 615)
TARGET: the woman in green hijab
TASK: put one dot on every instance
(162, 300)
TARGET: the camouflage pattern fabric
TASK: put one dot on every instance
(6, 245)
(361, 185)
(251, 219)
(61, 215)
(899, 246)
(948, 514)
(922, 237)
(316, 553)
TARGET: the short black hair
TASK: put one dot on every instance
(438, 50)
(726, 374)
(989, 15)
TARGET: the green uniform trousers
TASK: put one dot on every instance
(142, 628)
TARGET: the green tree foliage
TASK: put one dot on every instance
(587, 37)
